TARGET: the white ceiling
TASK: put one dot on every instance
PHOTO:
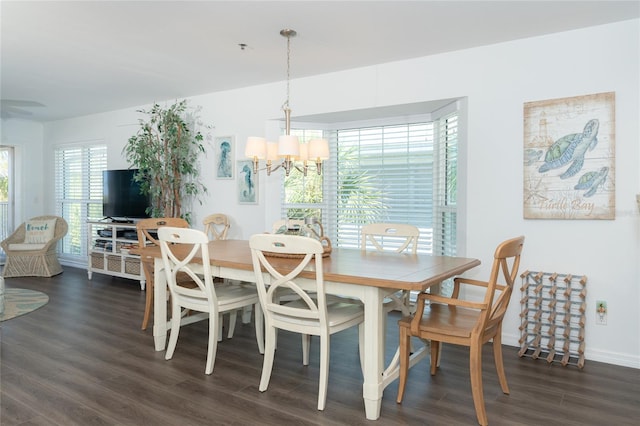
(79, 58)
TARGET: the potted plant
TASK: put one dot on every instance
(165, 151)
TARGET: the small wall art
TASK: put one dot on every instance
(247, 183)
(225, 153)
(569, 158)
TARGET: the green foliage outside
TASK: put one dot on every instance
(4, 188)
(303, 190)
(360, 201)
(4, 175)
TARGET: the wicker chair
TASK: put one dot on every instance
(39, 262)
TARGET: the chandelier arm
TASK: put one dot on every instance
(302, 169)
(276, 167)
(268, 167)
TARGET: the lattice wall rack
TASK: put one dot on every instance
(552, 312)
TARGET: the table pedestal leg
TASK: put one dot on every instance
(374, 329)
(159, 306)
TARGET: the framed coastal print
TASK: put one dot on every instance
(247, 183)
(224, 146)
(569, 158)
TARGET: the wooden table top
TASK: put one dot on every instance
(352, 266)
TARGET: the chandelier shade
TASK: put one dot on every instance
(319, 149)
(256, 148)
(288, 146)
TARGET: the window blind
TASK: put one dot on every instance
(78, 193)
(381, 174)
(395, 172)
(445, 193)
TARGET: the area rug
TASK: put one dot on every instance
(20, 301)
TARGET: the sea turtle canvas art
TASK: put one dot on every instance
(569, 158)
(591, 181)
(571, 149)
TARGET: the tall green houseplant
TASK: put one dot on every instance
(166, 150)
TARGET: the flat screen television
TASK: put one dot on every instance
(121, 197)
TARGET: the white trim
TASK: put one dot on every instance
(609, 357)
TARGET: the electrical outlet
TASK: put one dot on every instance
(601, 312)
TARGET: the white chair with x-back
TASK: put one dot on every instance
(312, 313)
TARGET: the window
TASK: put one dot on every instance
(78, 190)
(6, 194)
(401, 172)
(303, 195)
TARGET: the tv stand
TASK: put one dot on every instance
(107, 244)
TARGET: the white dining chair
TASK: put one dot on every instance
(398, 238)
(179, 246)
(281, 226)
(311, 314)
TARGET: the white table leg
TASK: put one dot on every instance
(374, 323)
(159, 305)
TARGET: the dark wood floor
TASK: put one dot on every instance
(83, 360)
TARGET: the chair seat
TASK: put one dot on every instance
(229, 297)
(450, 320)
(232, 293)
(338, 312)
(26, 246)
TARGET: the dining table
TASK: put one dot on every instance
(369, 276)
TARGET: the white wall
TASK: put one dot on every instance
(496, 81)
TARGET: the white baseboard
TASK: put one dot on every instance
(614, 358)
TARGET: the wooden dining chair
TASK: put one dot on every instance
(179, 246)
(147, 236)
(312, 313)
(216, 226)
(467, 323)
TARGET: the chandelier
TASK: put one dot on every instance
(288, 149)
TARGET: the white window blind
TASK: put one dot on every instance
(78, 191)
(382, 174)
(445, 193)
(400, 173)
